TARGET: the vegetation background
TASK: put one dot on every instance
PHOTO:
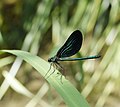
(41, 27)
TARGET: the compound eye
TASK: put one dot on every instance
(49, 60)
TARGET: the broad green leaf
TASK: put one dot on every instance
(68, 92)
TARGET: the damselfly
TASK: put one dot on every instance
(70, 47)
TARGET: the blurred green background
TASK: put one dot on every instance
(41, 27)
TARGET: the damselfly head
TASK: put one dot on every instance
(52, 59)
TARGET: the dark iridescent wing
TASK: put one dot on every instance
(71, 46)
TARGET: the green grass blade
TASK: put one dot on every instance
(68, 92)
